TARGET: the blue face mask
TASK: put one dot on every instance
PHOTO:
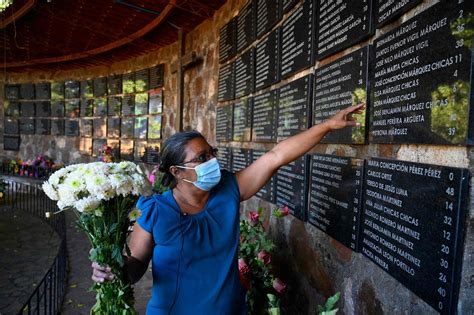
(208, 174)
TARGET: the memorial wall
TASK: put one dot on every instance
(295, 64)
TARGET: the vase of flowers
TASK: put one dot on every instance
(103, 196)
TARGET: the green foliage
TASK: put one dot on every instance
(328, 308)
(359, 96)
(157, 186)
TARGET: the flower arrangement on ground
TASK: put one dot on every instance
(255, 264)
(103, 196)
(106, 154)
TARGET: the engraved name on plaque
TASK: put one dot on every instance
(388, 10)
(224, 123)
(267, 15)
(228, 40)
(241, 158)
(267, 192)
(244, 68)
(226, 82)
(242, 129)
(224, 156)
(246, 26)
(266, 61)
(264, 117)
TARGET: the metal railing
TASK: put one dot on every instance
(48, 295)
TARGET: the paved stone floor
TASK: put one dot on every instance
(29, 247)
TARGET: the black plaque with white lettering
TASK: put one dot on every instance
(412, 226)
(157, 76)
(224, 123)
(267, 15)
(246, 25)
(421, 94)
(241, 158)
(73, 108)
(228, 40)
(100, 87)
(264, 117)
(12, 92)
(226, 82)
(114, 85)
(128, 125)
(340, 84)
(11, 126)
(155, 103)
(27, 91)
(297, 35)
(128, 83)
(128, 105)
(141, 126)
(86, 127)
(57, 90)
(287, 5)
(99, 127)
(266, 61)
(11, 143)
(113, 128)
(72, 89)
(43, 109)
(154, 127)
(71, 127)
(242, 129)
(27, 109)
(114, 105)
(42, 126)
(294, 107)
(141, 103)
(43, 91)
(141, 80)
(152, 155)
(224, 156)
(292, 187)
(335, 197)
(27, 126)
(267, 192)
(87, 89)
(389, 10)
(342, 24)
(57, 127)
(244, 68)
(12, 109)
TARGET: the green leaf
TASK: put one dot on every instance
(331, 302)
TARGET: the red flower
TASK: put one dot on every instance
(279, 286)
(243, 267)
(265, 257)
(281, 212)
(254, 217)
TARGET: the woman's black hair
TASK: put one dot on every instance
(173, 153)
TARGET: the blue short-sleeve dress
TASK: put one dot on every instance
(194, 260)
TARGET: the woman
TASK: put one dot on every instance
(191, 232)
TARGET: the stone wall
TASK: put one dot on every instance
(314, 265)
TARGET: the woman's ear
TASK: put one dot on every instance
(174, 171)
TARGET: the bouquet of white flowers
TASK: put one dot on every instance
(103, 196)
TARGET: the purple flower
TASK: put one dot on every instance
(279, 286)
(265, 257)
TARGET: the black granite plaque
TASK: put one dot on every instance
(141, 80)
(57, 108)
(127, 127)
(244, 68)
(12, 92)
(11, 143)
(100, 87)
(341, 24)
(42, 126)
(242, 129)
(224, 156)
(126, 150)
(340, 84)
(246, 25)
(267, 192)
(113, 127)
(128, 83)
(141, 104)
(72, 89)
(97, 146)
(139, 150)
(292, 187)
(266, 61)
(99, 127)
(297, 35)
(228, 40)
(420, 93)
(140, 129)
(389, 10)
(128, 105)
(335, 197)
(287, 5)
(87, 107)
(43, 109)
(155, 103)
(264, 117)
(57, 90)
(114, 85)
(71, 127)
(27, 126)
(11, 126)
(224, 123)
(157, 76)
(114, 105)
(226, 82)
(267, 15)
(27, 91)
(12, 109)
(87, 89)
(412, 226)
(241, 158)
(152, 155)
(86, 127)
(57, 127)
(100, 107)
(294, 107)
(43, 91)
(27, 109)
(73, 108)
(115, 145)
(154, 127)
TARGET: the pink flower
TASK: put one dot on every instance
(254, 217)
(265, 257)
(281, 212)
(152, 178)
(279, 286)
(245, 282)
(243, 267)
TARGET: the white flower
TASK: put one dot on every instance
(50, 191)
(134, 214)
(66, 195)
(87, 204)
